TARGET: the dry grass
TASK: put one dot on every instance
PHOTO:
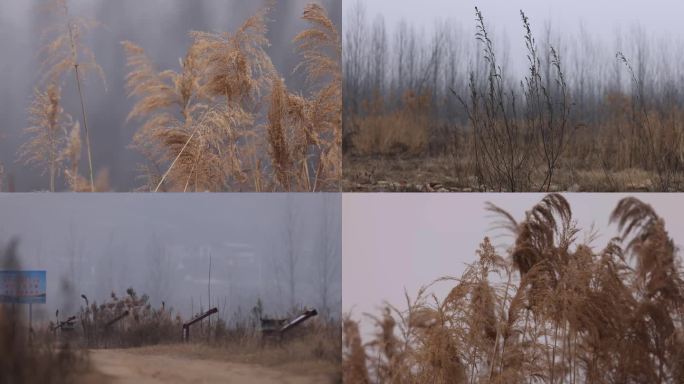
(401, 132)
(40, 359)
(65, 52)
(144, 325)
(553, 310)
(536, 133)
(201, 126)
(49, 123)
(316, 342)
(223, 121)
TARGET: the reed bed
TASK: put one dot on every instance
(224, 120)
(553, 309)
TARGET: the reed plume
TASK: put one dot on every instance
(65, 52)
(553, 311)
(208, 126)
(277, 135)
(321, 49)
(47, 129)
(354, 365)
(168, 102)
(71, 155)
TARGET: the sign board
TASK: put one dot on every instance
(23, 287)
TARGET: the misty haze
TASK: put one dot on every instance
(162, 245)
(138, 152)
(173, 287)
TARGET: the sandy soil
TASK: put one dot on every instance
(147, 366)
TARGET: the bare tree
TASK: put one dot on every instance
(328, 256)
(159, 270)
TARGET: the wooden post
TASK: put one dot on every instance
(30, 330)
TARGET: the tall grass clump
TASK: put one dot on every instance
(49, 124)
(226, 121)
(554, 309)
(65, 53)
(223, 120)
(512, 136)
(655, 136)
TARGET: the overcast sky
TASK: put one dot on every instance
(659, 16)
(393, 242)
(161, 244)
(659, 19)
(161, 27)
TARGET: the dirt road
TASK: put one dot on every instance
(150, 366)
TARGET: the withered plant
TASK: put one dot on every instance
(64, 53)
(321, 49)
(654, 134)
(513, 136)
(47, 132)
(554, 310)
(203, 125)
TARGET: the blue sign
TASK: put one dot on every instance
(23, 287)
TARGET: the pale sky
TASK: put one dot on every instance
(392, 242)
(601, 17)
(162, 245)
(601, 21)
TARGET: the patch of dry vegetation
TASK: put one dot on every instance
(400, 132)
(223, 121)
(33, 357)
(553, 311)
(130, 321)
(226, 121)
(561, 119)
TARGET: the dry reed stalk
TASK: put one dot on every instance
(279, 148)
(47, 131)
(557, 312)
(66, 52)
(200, 126)
(321, 48)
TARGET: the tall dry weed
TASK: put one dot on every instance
(48, 125)
(554, 310)
(226, 121)
(65, 52)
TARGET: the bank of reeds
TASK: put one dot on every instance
(554, 309)
(223, 121)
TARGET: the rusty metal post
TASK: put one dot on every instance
(186, 326)
(298, 320)
(116, 319)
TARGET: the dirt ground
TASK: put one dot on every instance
(175, 365)
(447, 174)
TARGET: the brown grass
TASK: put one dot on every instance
(554, 310)
(223, 121)
(536, 133)
(400, 132)
(201, 126)
(47, 131)
(65, 52)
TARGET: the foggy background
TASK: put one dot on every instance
(391, 47)
(393, 242)
(161, 27)
(161, 246)
(571, 21)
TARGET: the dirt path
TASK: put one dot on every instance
(131, 366)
